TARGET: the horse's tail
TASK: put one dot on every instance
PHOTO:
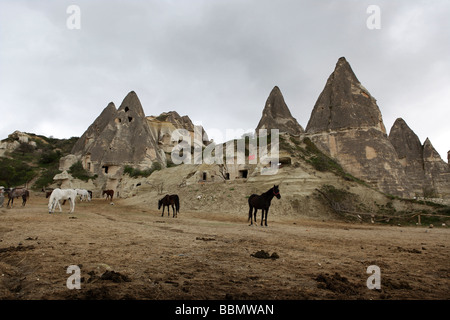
(177, 203)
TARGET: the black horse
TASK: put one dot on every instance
(262, 202)
(170, 200)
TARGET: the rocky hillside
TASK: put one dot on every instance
(31, 160)
(311, 185)
(343, 164)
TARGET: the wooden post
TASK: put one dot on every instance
(418, 220)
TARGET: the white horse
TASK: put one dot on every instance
(64, 194)
(84, 194)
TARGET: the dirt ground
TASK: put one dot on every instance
(131, 252)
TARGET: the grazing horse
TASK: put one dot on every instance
(16, 193)
(109, 194)
(84, 194)
(170, 200)
(262, 202)
(61, 194)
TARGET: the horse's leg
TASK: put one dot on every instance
(267, 212)
(262, 216)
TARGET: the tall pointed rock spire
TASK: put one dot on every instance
(410, 153)
(347, 124)
(119, 137)
(344, 103)
(276, 115)
(95, 129)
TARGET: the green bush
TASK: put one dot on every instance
(49, 157)
(134, 173)
(15, 173)
(46, 178)
(77, 171)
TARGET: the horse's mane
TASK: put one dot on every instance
(268, 192)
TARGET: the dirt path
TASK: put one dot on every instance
(133, 253)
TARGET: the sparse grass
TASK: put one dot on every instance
(309, 152)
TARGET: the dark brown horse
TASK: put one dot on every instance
(170, 200)
(109, 194)
(262, 202)
(16, 193)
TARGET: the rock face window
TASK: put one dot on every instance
(204, 176)
(126, 109)
(105, 169)
(130, 119)
(243, 174)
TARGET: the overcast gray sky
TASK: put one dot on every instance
(217, 60)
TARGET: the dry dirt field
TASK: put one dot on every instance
(131, 252)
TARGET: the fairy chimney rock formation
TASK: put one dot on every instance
(119, 137)
(347, 124)
(94, 130)
(410, 153)
(344, 103)
(437, 173)
(276, 115)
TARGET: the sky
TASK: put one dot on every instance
(217, 60)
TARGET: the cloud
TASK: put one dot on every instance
(217, 61)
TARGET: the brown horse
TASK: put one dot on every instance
(16, 193)
(109, 194)
(170, 200)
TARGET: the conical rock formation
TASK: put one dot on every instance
(276, 115)
(95, 129)
(437, 172)
(347, 124)
(410, 154)
(119, 137)
(344, 103)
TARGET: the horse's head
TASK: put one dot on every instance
(276, 191)
(159, 204)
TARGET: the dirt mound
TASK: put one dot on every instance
(336, 283)
(261, 254)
